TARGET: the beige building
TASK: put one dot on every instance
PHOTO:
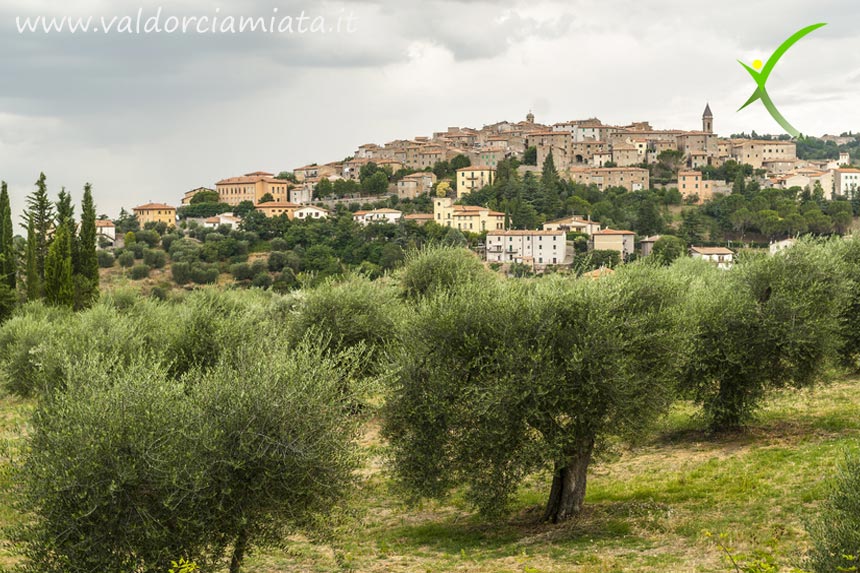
(473, 179)
(416, 184)
(466, 217)
(692, 184)
(756, 152)
(573, 224)
(540, 248)
(631, 178)
(155, 213)
(252, 187)
(278, 208)
(613, 240)
(419, 218)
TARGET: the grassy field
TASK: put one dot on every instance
(649, 510)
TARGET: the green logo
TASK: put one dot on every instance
(760, 78)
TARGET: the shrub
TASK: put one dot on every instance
(241, 272)
(140, 272)
(149, 237)
(181, 273)
(106, 259)
(278, 244)
(137, 249)
(262, 280)
(203, 274)
(155, 258)
(277, 261)
(836, 533)
(440, 269)
(126, 259)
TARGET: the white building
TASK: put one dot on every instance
(540, 248)
(378, 216)
(106, 228)
(846, 181)
(302, 194)
(779, 246)
(310, 212)
(227, 219)
(722, 257)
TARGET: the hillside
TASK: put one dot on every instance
(647, 512)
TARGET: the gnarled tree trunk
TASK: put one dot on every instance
(568, 484)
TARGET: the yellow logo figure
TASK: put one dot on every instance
(761, 76)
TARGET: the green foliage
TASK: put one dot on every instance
(140, 272)
(8, 302)
(59, 287)
(440, 269)
(126, 259)
(499, 380)
(181, 272)
(355, 313)
(106, 259)
(8, 256)
(835, 533)
(667, 249)
(155, 258)
(205, 196)
(770, 322)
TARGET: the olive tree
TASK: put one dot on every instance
(770, 322)
(436, 269)
(500, 380)
(129, 468)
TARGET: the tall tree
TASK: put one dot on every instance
(34, 280)
(40, 211)
(89, 265)
(8, 263)
(59, 287)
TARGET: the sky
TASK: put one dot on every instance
(146, 117)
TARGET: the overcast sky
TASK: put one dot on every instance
(148, 117)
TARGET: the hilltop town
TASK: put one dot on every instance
(444, 179)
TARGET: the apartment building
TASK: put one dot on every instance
(693, 184)
(278, 208)
(252, 187)
(756, 152)
(846, 181)
(540, 248)
(377, 216)
(474, 178)
(631, 178)
(155, 213)
(466, 217)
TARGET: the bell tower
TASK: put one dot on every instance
(708, 120)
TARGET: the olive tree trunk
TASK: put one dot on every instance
(568, 484)
(239, 550)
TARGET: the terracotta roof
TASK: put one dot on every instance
(153, 207)
(712, 250)
(251, 178)
(571, 220)
(476, 168)
(419, 216)
(651, 239)
(104, 223)
(613, 232)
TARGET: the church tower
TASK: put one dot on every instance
(530, 117)
(708, 120)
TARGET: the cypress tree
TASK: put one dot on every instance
(34, 282)
(59, 287)
(89, 265)
(40, 212)
(8, 263)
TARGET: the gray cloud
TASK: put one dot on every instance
(148, 117)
